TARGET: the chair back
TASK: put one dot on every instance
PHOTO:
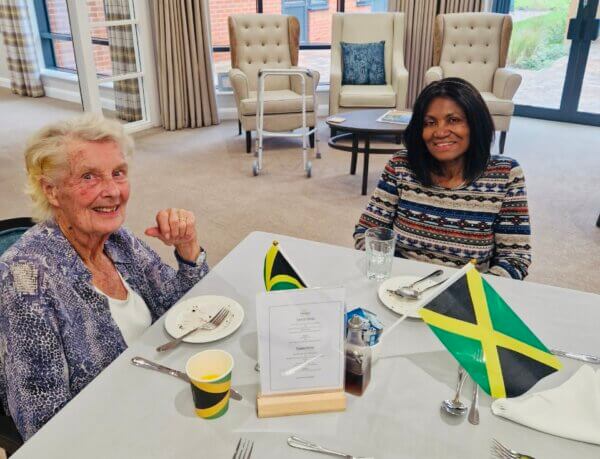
(11, 230)
(264, 41)
(472, 46)
(369, 28)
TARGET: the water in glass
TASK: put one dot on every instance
(380, 252)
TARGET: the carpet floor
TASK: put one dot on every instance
(207, 171)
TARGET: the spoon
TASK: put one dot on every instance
(411, 293)
(474, 411)
(456, 407)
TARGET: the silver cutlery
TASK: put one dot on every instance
(213, 323)
(243, 450)
(503, 452)
(474, 410)
(455, 407)
(145, 363)
(573, 355)
(296, 442)
(413, 294)
(409, 291)
(437, 272)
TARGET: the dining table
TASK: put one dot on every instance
(131, 412)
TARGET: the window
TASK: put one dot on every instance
(315, 28)
(57, 41)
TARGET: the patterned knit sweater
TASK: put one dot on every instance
(486, 220)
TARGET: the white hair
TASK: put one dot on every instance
(47, 153)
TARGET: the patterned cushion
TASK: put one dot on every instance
(363, 63)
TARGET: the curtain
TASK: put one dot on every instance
(185, 68)
(418, 44)
(21, 57)
(128, 102)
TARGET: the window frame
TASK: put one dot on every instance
(340, 8)
(47, 38)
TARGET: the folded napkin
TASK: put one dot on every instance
(571, 410)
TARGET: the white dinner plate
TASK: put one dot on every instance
(193, 312)
(401, 305)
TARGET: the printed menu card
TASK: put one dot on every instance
(301, 340)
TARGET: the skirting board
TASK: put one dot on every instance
(270, 406)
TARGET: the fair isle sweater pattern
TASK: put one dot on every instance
(486, 220)
(56, 330)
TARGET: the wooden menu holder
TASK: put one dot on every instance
(270, 406)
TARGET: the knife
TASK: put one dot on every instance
(145, 363)
(572, 355)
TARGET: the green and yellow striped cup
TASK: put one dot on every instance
(210, 375)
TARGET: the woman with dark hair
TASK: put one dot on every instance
(447, 199)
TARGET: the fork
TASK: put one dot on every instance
(503, 452)
(213, 323)
(243, 450)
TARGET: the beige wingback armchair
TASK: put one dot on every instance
(369, 28)
(474, 46)
(268, 41)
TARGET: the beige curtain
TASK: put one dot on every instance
(22, 61)
(418, 44)
(128, 102)
(185, 69)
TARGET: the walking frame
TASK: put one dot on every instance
(305, 132)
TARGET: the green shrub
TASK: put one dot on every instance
(538, 41)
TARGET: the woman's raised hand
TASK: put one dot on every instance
(177, 227)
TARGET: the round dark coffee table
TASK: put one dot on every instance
(363, 125)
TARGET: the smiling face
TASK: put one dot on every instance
(92, 196)
(446, 130)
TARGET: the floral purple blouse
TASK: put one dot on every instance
(56, 331)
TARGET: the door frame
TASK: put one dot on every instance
(581, 33)
(86, 69)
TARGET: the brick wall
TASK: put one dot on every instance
(63, 50)
(319, 21)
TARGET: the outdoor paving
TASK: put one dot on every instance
(543, 88)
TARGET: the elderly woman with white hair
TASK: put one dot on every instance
(78, 287)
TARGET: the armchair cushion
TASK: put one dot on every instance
(239, 84)
(363, 63)
(433, 74)
(498, 106)
(296, 82)
(367, 96)
(506, 83)
(276, 102)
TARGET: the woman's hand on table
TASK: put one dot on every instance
(177, 227)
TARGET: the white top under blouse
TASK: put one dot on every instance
(131, 315)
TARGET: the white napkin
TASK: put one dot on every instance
(571, 410)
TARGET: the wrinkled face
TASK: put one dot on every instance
(92, 196)
(445, 130)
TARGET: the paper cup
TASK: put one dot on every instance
(210, 377)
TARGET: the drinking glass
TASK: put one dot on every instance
(380, 244)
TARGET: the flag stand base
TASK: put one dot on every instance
(270, 406)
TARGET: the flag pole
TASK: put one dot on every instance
(276, 243)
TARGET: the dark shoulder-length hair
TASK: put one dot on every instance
(481, 129)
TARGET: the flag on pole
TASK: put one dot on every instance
(486, 336)
(279, 274)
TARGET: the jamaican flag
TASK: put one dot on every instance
(486, 337)
(278, 272)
